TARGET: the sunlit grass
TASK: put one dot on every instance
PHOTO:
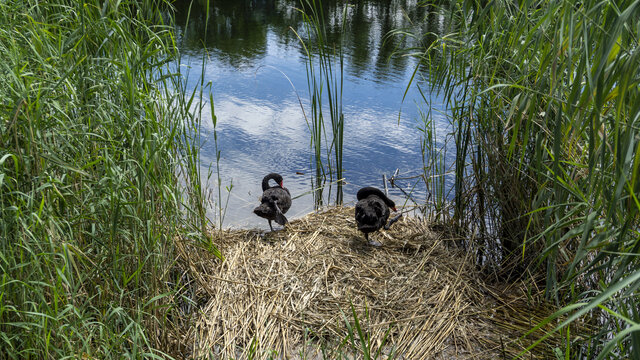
(544, 99)
(325, 76)
(95, 134)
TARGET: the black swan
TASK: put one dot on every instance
(372, 210)
(276, 200)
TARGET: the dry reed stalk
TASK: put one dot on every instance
(290, 291)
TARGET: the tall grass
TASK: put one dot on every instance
(544, 96)
(325, 64)
(197, 103)
(434, 167)
(95, 133)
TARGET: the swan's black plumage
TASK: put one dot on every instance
(372, 210)
(276, 200)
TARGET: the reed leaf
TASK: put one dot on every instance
(96, 162)
(325, 78)
(546, 92)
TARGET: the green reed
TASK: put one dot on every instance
(325, 64)
(434, 169)
(544, 98)
(97, 178)
(198, 93)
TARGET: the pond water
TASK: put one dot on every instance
(248, 49)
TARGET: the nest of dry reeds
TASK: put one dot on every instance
(293, 292)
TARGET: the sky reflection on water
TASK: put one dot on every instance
(261, 127)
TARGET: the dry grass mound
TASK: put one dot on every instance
(292, 293)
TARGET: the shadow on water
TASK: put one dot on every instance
(257, 67)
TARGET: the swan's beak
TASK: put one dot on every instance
(394, 209)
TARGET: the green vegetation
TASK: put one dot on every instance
(98, 175)
(323, 57)
(100, 167)
(545, 109)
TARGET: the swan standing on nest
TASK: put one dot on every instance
(372, 210)
(276, 200)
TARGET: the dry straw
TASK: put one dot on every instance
(287, 294)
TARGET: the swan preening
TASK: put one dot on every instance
(275, 201)
(372, 210)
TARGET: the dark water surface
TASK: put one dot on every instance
(261, 127)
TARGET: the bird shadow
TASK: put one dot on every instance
(269, 236)
(360, 245)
